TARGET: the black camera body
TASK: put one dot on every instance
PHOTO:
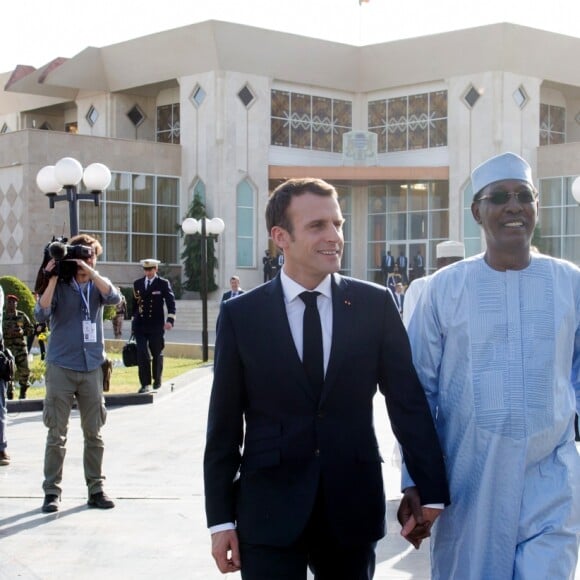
(64, 255)
(60, 250)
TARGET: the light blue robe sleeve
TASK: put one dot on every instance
(427, 348)
(576, 364)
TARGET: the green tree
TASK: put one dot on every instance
(12, 285)
(191, 254)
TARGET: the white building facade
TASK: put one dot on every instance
(227, 112)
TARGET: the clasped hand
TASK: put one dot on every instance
(416, 521)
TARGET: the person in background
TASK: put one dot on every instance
(399, 297)
(418, 265)
(235, 289)
(447, 253)
(387, 266)
(292, 467)
(120, 313)
(267, 266)
(4, 457)
(496, 345)
(403, 264)
(152, 295)
(76, 352)
(16, 328)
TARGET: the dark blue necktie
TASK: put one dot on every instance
(312, 354)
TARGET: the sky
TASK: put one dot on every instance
(35, 32)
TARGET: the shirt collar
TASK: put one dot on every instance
(292, 289)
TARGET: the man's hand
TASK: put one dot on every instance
(226, 551)
(416, 521)
(49, 267)
(91, 272)
(168, 326)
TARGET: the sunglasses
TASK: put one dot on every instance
(502, 197)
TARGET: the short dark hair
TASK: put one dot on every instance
(86, 240)
(277, 208)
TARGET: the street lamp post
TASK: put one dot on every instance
(67, 174)
(204, 229)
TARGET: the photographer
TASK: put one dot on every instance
(73, 301)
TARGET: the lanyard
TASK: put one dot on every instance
(86, 299)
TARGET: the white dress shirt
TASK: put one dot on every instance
(295, 312)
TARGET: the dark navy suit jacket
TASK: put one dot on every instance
(271, 443)
(148, 311)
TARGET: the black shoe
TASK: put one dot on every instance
(101, 501)
(4, 458)
(51, 503)
(10, 392)
(156, 386)
(144, 389)
(23, 392)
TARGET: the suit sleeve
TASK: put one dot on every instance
(409, 412)
(224, 436)
(169, 297)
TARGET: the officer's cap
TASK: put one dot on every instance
(12, 297)
(150, 263)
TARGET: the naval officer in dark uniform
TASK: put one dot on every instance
(150, 322)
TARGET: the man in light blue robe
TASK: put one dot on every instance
(496, 345)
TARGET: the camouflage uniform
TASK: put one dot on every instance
(16, 327)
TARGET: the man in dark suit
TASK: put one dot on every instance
(149, 324)
(419, 265)
(235, 289)
(402, 264)
(388, 266)
(292, 466)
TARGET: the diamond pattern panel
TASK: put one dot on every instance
(12, 210)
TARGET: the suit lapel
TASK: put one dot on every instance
(342, 322)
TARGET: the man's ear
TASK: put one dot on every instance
(280, 237)
(475, 212)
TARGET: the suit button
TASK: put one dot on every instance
(317, 452)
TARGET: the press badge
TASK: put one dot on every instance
(89, 331)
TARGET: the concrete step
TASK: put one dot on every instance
(189, 314)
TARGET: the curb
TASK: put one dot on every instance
(122, 399)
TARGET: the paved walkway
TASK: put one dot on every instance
(153, 461)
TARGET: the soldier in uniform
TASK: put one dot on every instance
(16, 327)
(149, 324)
(121, 310)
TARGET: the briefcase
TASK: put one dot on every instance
(130, 353)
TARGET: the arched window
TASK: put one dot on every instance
(245, 225)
